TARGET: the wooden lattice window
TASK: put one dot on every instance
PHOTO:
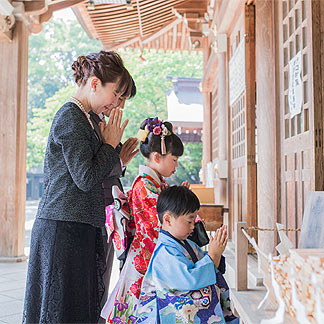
(295, 40)
(238, 128)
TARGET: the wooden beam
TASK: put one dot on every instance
(108, 28)
(165, 41)
(146, 7)
(161, 31)
(183, 36)
(57, 5)
(192, 6)
(113, 18)
(35, 7)
(123, 44)
(116, 20)
(153, 15)
(174, 37)
(157, 25)
(169, 38)
(157, 19)
(63, 4)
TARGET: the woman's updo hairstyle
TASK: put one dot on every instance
(154, 134)
(108, 67)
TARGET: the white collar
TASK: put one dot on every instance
(145, 170)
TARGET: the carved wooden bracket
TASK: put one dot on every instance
(6, 26)
(193, 12)
(39, 17)
(33, 13)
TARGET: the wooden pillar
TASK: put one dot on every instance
(318, 86)
(267, 128)
(13, 125)
(220, 185)
(206, 137)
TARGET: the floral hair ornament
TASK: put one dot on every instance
(143, 133)
(163, 132)
(157, 127)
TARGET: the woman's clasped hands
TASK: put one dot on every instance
(113, 132)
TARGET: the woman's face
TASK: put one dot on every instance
(105, 98)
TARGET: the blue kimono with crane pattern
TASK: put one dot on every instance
(176, 289)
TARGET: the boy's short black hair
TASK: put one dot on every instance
(178, 200)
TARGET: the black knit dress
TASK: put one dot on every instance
(67, 258)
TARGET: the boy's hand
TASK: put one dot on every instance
(217, 245)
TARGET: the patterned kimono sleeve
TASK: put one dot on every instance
(177, 272)
(144, 199)
(222, 265)
(146, 194)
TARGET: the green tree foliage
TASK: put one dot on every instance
(40, 124)
(150, 101)
(51, 54)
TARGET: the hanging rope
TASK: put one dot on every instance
(255, 228)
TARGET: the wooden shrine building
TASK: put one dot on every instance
(262, 93)
(185, 108)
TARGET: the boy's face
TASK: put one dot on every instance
(182, 226)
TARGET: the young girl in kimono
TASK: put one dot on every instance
(161, 149)
(182, 283)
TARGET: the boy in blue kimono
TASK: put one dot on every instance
(182, 283)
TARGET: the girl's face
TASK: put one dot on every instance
(166, 165)
(182, 226)
(105, 98)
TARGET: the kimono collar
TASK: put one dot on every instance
(184, 244)
(144, 170)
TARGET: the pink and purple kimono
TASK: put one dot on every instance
(121, 304)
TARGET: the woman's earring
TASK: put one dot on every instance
(93, 91)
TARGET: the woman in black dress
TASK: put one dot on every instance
(67, 261)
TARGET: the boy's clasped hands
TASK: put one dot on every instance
(217, 244)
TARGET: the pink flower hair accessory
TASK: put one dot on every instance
(157, 130)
